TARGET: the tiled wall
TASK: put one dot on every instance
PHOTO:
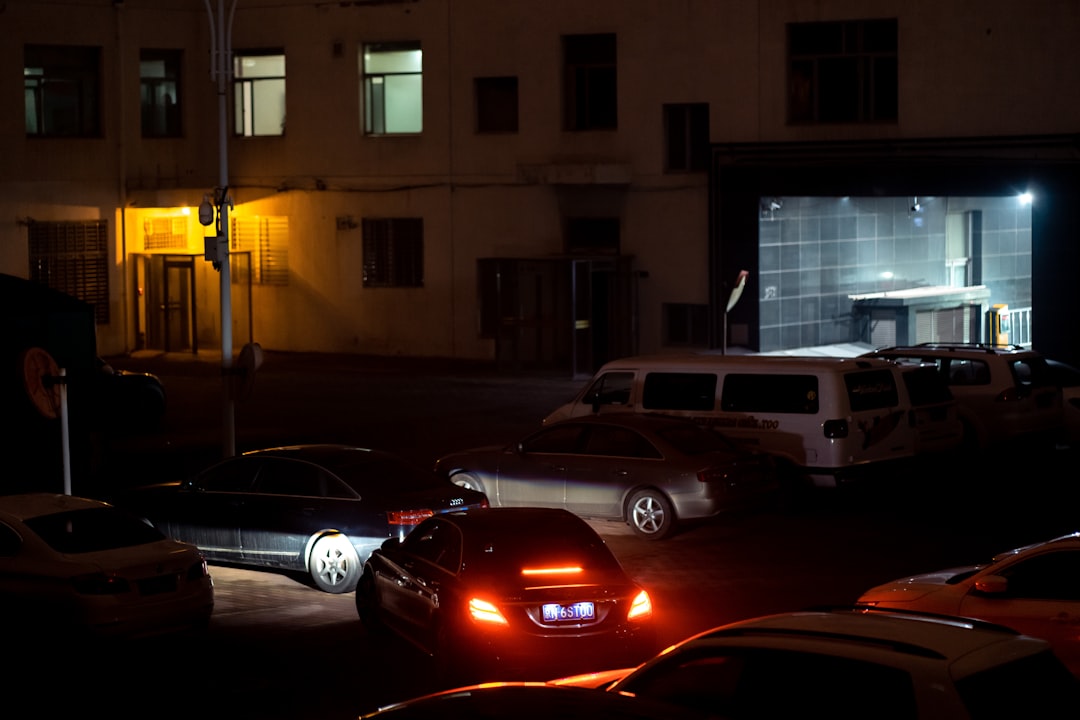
(815, 251)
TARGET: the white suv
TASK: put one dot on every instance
(854, 664)
(1003, 393)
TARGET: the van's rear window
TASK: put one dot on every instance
(744, 392)
(871, 390)
(679, 391)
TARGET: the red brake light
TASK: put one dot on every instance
(407, 517)
(484, 612)
(566, 570)
(641, 607)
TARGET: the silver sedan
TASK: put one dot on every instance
(650, 471)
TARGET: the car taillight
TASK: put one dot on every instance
(836, 429)
(711, 475)
(641, 607)
(407, 517)
(562, 570)
(484, 612)
(198, 571)
(100, 584)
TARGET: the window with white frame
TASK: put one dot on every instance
(393, 88)
(266, 239)
(259, 93)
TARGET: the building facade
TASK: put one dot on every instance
(545, 184)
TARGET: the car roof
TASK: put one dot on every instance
(313, 452)
(1072, 540)
(956, 349)
(760, 363)
(30, 505)
(950, 639)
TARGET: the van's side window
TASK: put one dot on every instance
(773, 393)
(679, 391)
(611, 388)
(871, 390)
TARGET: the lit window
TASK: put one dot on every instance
(260, 245)
(393, 88)
(259, 93)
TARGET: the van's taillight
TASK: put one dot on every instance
(836, 429)
(407, 517)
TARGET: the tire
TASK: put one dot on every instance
(367, 605)
(333, 564)
(468, 481)
(650, 515)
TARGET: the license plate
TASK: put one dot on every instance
(569, 613)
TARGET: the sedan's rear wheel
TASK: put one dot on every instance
(333, 565)
(651, 515)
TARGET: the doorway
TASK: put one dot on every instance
(165, 316)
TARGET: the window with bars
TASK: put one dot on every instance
(266, 238)
(62, 91)
(165, 233)
(393, 252)
(72, 257)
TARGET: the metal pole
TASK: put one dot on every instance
(222, 67)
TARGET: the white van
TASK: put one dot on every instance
(831, 418)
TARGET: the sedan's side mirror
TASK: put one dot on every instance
(992, 585)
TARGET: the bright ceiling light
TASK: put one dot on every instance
(1025, 198)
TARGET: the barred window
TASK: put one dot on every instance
(266, 238)
(165, 233)
(393, 252)
(72, 257)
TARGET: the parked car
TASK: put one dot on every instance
(81, 568)
(127, 398)
(319, 509)
(850, 664)
(530, 701)
(1004, 393)
(934, 415)
(1067, 377)
(650, 471)
(1035, 589)
(494, 593)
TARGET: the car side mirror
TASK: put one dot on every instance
(992, 585)
(390, 543)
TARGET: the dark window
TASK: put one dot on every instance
(770, 393)
(497, 104)
(438, 543)
(10, 542)
(1048, 576)
(679, 391)
(229, 476)
(590, 92)
(925, 386)
(159, 81)
(92, 530)
(611, 388)
(968, 372)
(72, 257)
(686, 136)
(561, 439)
(618, 442)
(1032, 686)
(592, 236)
(686, 324)
(393, 252)
(871, 390)
(842, 72)
(63, 91)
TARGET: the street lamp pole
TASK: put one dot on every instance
(221, 71)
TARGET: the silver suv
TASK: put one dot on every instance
(1003, 393)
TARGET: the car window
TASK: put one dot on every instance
(746, 392)
(557, 439)
(754, 682)
(233, 475)
(10, 541)
(1047, 576)
(694, 440)
(611, 388)
(968, 372)
(618, 442)
(925, 386)
(1036, 686)
(92, 530)
(281, 476)
(437, 542)
(1032, 372)
(565, 542)
(377, 473)
(871, 390)
(679, 391)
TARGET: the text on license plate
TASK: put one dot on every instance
(563, 613)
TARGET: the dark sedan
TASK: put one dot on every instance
(651, 471)
(319, 509)
(505, 593)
